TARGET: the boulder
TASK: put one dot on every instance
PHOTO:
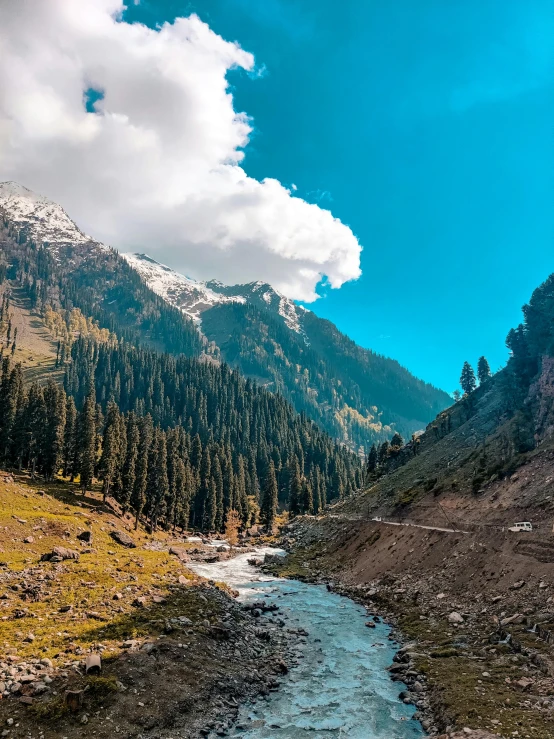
(122, 538)
(455, 618)
(273, 558)
(58, 554)
(180, 553)
(85, 536)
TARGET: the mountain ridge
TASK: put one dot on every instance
(254, 328)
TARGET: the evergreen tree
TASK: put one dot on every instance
(141, 478)
(87, 445)
(131, 460)
(397, 441)
(307, 501)
(110, 449)
(372, 459)
(483, 370)
(467, 379)
(55, 402)
(70, 434)
(295, 487)
(268, 509)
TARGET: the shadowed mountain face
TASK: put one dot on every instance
(356, 395)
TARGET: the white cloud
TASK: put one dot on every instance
(157, 166)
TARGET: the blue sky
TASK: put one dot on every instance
(427, 128)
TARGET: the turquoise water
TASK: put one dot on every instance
(340, 686)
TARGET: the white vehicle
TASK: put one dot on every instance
(522, 526)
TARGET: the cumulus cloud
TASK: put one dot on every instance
(156, 165)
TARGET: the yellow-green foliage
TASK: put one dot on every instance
(66, 325)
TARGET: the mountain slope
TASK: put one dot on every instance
(354, 394)
(430, 541)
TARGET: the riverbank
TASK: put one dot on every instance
(472, 650)
(178, 654)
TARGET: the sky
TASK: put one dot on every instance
(395, 158)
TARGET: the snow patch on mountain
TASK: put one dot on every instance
(194, 297)
(190, 296)
(42, 220)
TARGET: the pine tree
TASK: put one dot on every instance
(268, 509)
(467, 379)
(110, 449)
(55, 402)
(70, 433)
(131, 459)
(295, 487)
(141, 478)
(307, 501)
(383, 456)
(210, 506)
(483, 370)
(372, 458)
(159, 488)
(397, 441)
(87, 445)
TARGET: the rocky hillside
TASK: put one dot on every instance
(354, 394)
(429, 543)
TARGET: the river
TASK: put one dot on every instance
(340, 686)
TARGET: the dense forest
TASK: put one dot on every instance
(356, 395)
(178, 441)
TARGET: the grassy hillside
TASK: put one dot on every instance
(35, 346)
(170, 643)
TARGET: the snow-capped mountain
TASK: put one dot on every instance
(42, 220)
(194, 297)
(354, 394)
(46, 223)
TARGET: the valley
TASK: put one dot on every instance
(181, 413)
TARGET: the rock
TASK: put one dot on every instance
(139, 602)
(180, 553)
(524, 683)
(58, 554)
(29, 638)
(65, 609)
(28, 540)
(122, 538)
(159, 599)
(455, 618)
(26, 700)
(281, 667)
(118, 596)
(130, 644)
(85, 536)
(370, 624)
(46, 662)
(274, 558)
(182, 580)
(518, 585)
(517, 618)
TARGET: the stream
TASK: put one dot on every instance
(340, 686)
